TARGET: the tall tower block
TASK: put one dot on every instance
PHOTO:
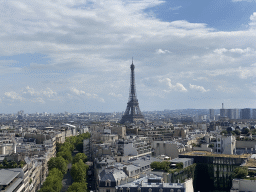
(132, 113)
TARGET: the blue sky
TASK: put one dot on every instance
(74, 55)
(223, 15)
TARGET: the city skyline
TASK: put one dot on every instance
(75, 56)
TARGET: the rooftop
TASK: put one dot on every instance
(8, 175)
(209, 154)
(145, 182)
(250, 163)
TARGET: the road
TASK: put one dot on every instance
(67, 179)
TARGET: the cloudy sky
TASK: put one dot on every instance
(75, 55)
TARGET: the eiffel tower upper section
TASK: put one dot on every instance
(132, 113)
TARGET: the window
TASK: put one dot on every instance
(161, 190)
(179, 190)
(171, 190)
(139, 189)
(149, 190)
(121, 189)
(107, 183)
(128, 189)
(107, 190)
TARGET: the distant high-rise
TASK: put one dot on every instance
(233, 113)
(223, 112)
(211, 114)
(254, 113)
(245, 113)
(132, 113)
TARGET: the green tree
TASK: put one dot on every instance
(164, 165)
(5, 163)
(245, 130)
(66, 154)
(59, 163)
(79, 147)
(58, 145)
(224, 132)
(179, 165)
(53, 182)
(54, 172)
(67, 146)
(155, 165)
(237, 132)
(78, 171)
(211, 145)
(47, 189)
(240, 172)
(79, 156)
(78, 187)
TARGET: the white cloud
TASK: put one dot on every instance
(13, 95)
(78, 92)
(176, 87)
(253, 20)
(248, 50)
(175, 8)
(116, 95)
(49, 92)
(160, 51)
(198, 88)
(95, 96)
(31, 91)
(245, 72)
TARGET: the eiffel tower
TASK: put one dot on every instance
(132, 113)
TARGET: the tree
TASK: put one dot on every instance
(47, 189)
(245, 130)
(240, 172)
(79, 156)
(59, 163)
(79, 147)
(67, 146)
(78, 171)
(55, 173)
(66, 154)
(179, 165)
(155, 165)
(53, 182)
(164, 165)
(211, 145)
(237, 132)
(77, 187)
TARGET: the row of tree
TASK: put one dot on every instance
(164, 165)
(79, 173)
(58, 165)
(53, 182)
(11, 164)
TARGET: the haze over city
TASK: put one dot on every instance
(75, 56)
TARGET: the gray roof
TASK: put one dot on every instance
(180, 160)
(14, 185)
(143, 182)
(8, 175)
(112, 174)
